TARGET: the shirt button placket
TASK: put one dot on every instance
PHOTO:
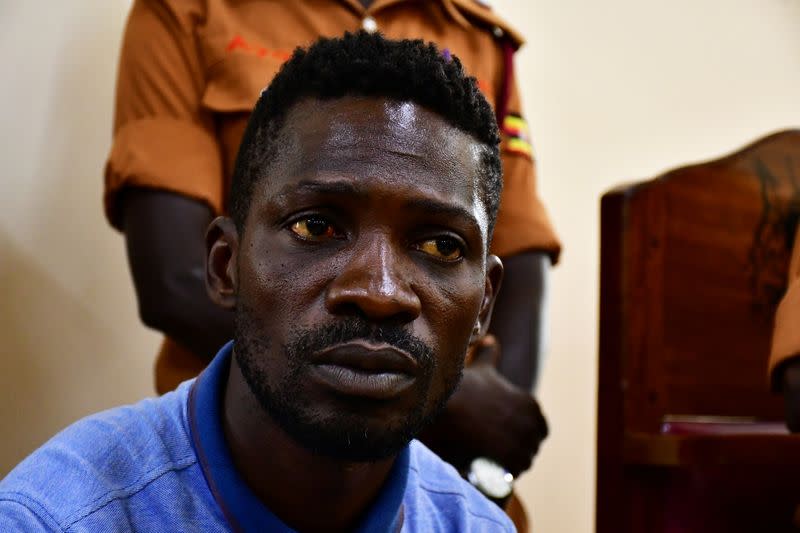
(369, 24)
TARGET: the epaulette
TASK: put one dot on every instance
(480, 14)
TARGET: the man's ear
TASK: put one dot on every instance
(222, 245)
(493, 281)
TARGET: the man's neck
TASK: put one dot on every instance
(306, 491)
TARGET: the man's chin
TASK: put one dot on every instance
(352, 449)
(351, 440)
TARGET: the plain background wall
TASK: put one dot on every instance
(70, 343)
(614, 91)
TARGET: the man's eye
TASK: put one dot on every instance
(313, 228)
(443, 248)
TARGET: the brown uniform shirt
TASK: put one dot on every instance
(191, 71)
(786, 335)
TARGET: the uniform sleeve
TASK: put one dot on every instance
(163, 137)
(522, 223)
(786, 335)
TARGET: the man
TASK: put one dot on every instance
(190, 72)
(356, 260)
(784, 362)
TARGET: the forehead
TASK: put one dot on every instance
(377, 143)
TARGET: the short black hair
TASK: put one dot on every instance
(367, 64)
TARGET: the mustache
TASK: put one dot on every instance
(308, 341)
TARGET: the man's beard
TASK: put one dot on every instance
(346, 434)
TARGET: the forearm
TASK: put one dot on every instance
(790, 380)
(186, 314)
(165, 239)
(517, 321)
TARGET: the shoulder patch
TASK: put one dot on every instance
(480, 14)
(516, 136)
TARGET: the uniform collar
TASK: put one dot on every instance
(376, 5)
(242, 509)
(379, 5)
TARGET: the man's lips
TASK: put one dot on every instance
(360, 368)
(368, 357)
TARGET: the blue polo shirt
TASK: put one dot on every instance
(163, 465)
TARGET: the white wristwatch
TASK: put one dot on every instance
(494, 481)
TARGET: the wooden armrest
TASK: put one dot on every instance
(767, 449)
(720, 425)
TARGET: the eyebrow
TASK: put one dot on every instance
(447, 210)
(335, 187)
(346, 188)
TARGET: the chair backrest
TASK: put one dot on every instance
(693, 265)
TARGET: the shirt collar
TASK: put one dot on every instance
(242, 509)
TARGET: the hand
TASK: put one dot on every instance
(488, 416)
(791, 394)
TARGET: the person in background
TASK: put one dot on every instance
(356, 265)
(189, 73)
(784, 361)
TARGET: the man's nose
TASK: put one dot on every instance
(375, 283)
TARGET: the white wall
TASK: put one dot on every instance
(70, 343)
(614, 91)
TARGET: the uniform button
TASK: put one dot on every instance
(498, 31)
(369, 24)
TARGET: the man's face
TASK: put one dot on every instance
(362, 274)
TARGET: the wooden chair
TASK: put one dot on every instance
(693, 265)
